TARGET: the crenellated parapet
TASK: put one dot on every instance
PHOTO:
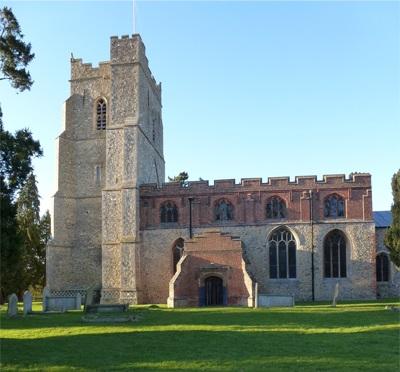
(248, 184)
(126, 50)
(303, 199)
(81, 70)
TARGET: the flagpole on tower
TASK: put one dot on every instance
(134, 15)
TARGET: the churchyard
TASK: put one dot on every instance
(357, 336)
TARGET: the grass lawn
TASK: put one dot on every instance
(310, 337)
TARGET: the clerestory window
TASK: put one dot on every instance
(334, 206)
(223, 210)
(168, 212)
(275, 208)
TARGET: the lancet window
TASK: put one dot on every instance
(101, 114)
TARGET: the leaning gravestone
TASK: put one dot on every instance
(12, 309)
(27, 302)
(335, 294)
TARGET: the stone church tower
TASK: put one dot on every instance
(112, 141)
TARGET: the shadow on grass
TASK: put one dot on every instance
(203, 350)
(241, 318)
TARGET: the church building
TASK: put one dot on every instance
(120, 230)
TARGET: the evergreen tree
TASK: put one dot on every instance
(181, 178)
(392, 237)
(10, 242)
(45, 236)
(15, 54)
(34, 232)
(16, 154)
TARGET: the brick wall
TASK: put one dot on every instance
(211, 254)
(249, 199)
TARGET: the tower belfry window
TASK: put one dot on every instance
(101, 114)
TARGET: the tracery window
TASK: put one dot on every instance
(101, 114)
(335, 255)
(275, 208)
(177, 252)
(282, 254)
(334, 206)
(223, 210)
(382, 267)
(168, 212)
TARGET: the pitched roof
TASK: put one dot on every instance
(383, 218)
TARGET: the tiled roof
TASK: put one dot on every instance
(382, 218)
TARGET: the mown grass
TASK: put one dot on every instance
(350, 337)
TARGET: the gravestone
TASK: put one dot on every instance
(27, 302)
(12, 309)
(265, 300)
(78, 301)
(89, 296)
(46, 293)
(335, 294)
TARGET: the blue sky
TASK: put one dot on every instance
(250, 89)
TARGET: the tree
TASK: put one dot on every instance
(34, 232)
(392, 236)
(10, 242)
(181, 178)
(15, 54)
(16, 154)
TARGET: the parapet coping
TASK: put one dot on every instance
(305, 181)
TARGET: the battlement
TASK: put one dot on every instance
(128, 49)
(123, 50)
(255, 184)
(81, 70)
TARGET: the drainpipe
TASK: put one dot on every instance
(312, 246)
(190, 218)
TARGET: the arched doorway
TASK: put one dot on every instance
(214, 291)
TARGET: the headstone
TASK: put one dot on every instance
(27, 302)
(335, 294)
(12, 309)
(78, 301)
(256, 295)
(46, 293)
(89, 296)
(265, 300)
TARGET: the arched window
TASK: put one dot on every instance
(101, 114)
(282, 254)
(382, 267)
(177, 252)
(335, 255)
(223, 210)
(169, 212)
(334, 206)
(275, 208)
